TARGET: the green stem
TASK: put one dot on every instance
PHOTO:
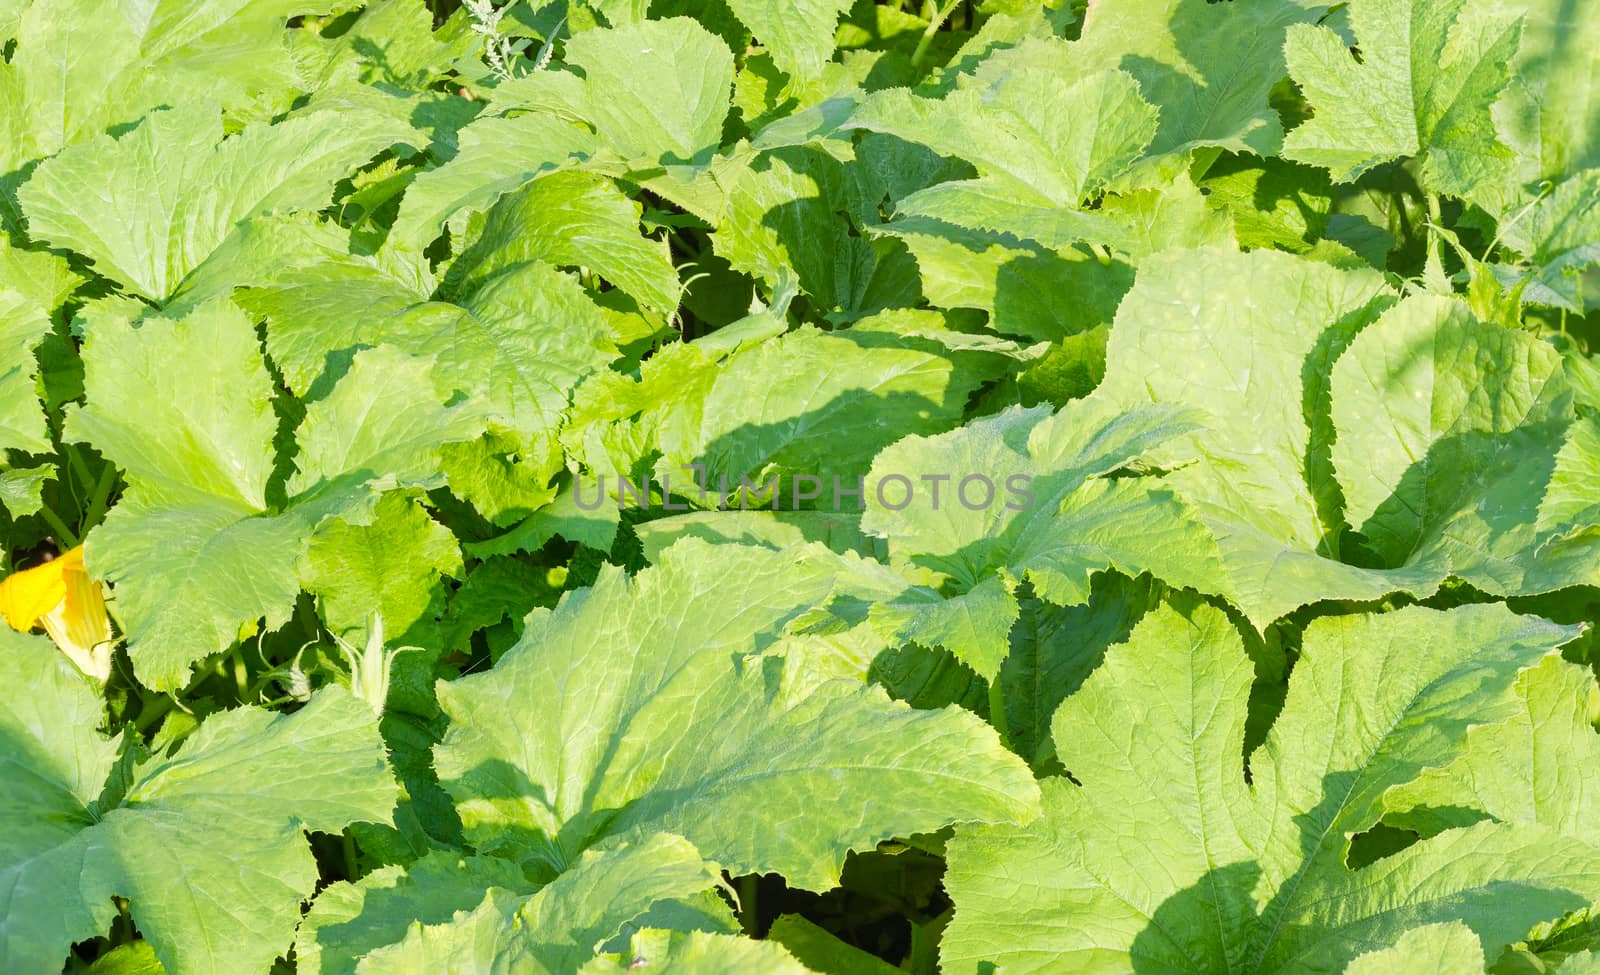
(1434, 225)
(349, 845)
(997, 709)
(102, 493)
(749, 898)
(241, 674)
(79, 468)
(151, 711)
(64, 535)
(936, 22)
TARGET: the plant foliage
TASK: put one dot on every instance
(960, 486)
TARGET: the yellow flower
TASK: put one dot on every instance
(60, 596)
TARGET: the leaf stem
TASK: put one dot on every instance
(97, 501)
(749, 903)
(1434, 227)
(241, 673)
(997, 709)
(151, 710)
(64, 535)
(349, 849)
(79, 468)
(934, 23)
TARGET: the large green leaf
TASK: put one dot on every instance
(1536, 766)
(1161, 856)
(196, 547)
(207, 845)
(23, 325)
(1432, 434)
(657, 91)
(1208, 66)
(1558, 236)
(1429, 72)
(1549, 113)
(391, 566)
(559, 928)
(819, 405)
(783, 221)
(1016, 282)
(697, 953)
(348, 920)
(1055, 648)
(612, 717)
(1025, 496)
(571, 219)
(497, 154)
(1450, 433)
(80, 68)
(1447, 948)
(150, 206)
(516, 334)
(1044, 138)
(797, 33)
(653, 93)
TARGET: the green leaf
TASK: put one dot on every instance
(497, 154)
(1055, 648)
(149, 207)
(571, 220)
(1548, 112)
(1046, 139)
(1023, 494)
(23, 325)
(814, 404)
(22, 490)
(675, 737)
(697, 953)
(783, 223)
(1449, 434)
(557, 929)
(58, 765)
(517, 341)
(41, 278)
(820, 951)
(1428, 74)
(797, 33)
(348, 920)
(1208, 66)
(1443, 431)
(1532, 767)
(1568, 504)
(195, 548)
(1448, 948)
(206, 845)
(391, 566)
(975, 626)
(59, 93)
(1011, 280)
(1138, 223)
(188, 575)
(144, 383)
(1556, 235)
(657, 91)
(1274, 204)
(1253, 876)
(133, 958)
(838, 530)
(382, 425)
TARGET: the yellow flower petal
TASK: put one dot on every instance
(62, 597)
(28, 595)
